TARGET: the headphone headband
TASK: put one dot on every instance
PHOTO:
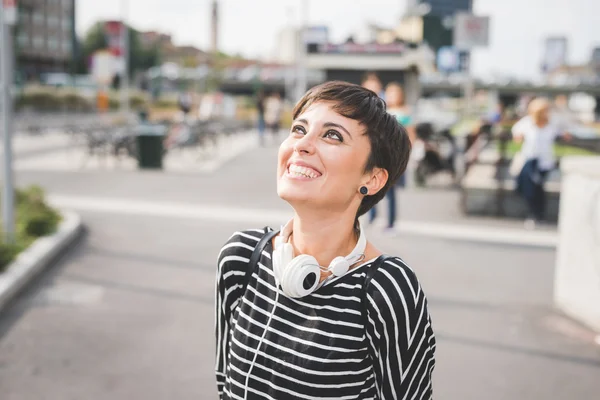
(300, 275)
(353, 257)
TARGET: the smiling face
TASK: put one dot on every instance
(322, 162)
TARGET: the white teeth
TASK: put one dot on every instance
(302, 171)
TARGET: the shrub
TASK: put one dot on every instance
(137, 101)
(75, 102)
(34, 218)
(8, 252)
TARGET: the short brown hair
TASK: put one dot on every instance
(390, 145)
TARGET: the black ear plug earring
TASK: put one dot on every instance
(364, 190)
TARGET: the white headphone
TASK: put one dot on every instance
(299, 276)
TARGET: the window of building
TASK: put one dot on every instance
(23, 39)
(39, 42)
(66, 46)
(37, 17)
(52, 20)
(23, 15)
(53, 44)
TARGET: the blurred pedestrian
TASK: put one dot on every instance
(397, 107)
(185, 102)
(102, 100)
(537, 133)
(562, 115)
(260, 109)
(273, 113)
(372, 82)
(315, 310)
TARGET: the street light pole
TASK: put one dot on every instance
(6, 59)
(125, 80)
(301, 72)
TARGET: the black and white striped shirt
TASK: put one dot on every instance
(317, 347)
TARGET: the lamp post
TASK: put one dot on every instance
(125, 80)
(7, 20)
(301, 72)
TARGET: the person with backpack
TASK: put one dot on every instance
(313, 309)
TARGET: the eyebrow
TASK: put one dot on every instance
(328, 125)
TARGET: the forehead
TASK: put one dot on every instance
(321, 112)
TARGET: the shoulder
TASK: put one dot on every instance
(394, 282)
(521, 124)
(239, 247)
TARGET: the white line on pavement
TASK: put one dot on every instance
(262, 217)
(168, 209)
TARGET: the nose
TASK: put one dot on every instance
(306, 144)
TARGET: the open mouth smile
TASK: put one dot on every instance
(302, 171)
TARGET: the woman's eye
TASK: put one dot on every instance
(334, 135)
(299, 130)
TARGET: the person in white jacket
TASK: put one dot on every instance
(537, 132)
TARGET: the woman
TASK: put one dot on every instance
(537, 134)
(352, 331)
(396, 106)
(372, 82)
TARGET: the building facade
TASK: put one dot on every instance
(45, 39)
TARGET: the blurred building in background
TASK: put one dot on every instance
(392, 58)
(155, 39)
(446, 8)
(45, 39)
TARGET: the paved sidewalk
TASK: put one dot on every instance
(249, 170)
(129, 315)
(61, 152)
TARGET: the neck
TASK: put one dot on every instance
(323, 236)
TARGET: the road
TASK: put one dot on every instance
(128, 312)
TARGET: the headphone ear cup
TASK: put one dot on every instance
(339, 266)
(301, 276)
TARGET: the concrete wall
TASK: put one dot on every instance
(577, 276)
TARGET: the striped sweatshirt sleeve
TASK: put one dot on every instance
(400, 334)
(231, 268)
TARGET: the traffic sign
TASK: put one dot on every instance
(470, 31)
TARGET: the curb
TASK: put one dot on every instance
(450, 231)
(38, 257)
(490, 235)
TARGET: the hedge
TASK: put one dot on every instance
(67, 100)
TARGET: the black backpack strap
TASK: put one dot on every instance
(255, 257)
(370, 274)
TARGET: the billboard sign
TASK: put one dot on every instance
(356, 48)
(10, 12)
(555, 53)
(471, 31)
(316, 35)
(114, 32)
(103, 67)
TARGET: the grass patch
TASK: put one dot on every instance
(34, 218)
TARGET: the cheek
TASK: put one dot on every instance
(285, 152)
(345, 167)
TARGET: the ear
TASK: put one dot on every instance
(375, 180)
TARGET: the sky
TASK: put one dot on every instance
(518, 28)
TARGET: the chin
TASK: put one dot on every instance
(293, 194)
